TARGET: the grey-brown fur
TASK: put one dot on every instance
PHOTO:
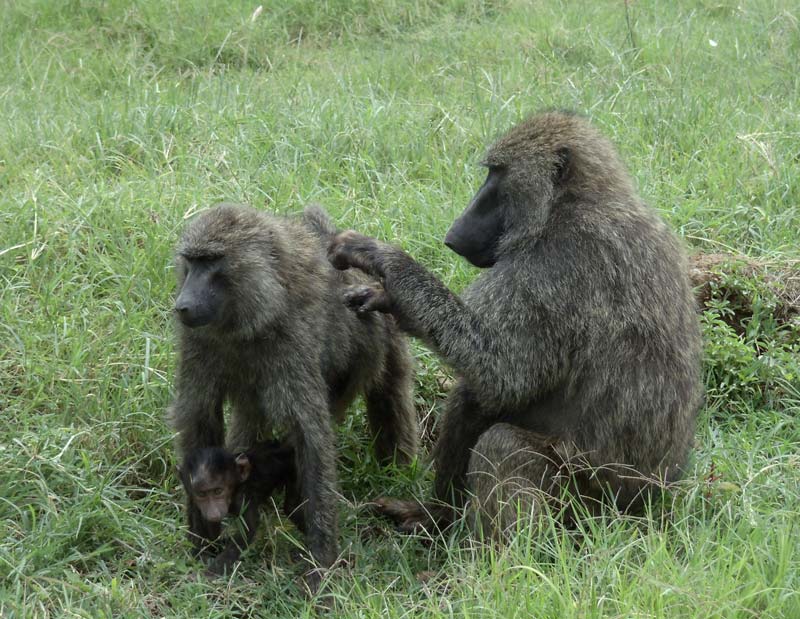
(287, 356)
(578, 350)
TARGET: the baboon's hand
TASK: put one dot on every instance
(351, 249)
(223, 563)
(367, 298)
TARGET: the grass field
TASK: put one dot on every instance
(119, 119)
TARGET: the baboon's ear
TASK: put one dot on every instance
(244, 466)
(563, 160)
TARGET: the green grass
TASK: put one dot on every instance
(119, 119)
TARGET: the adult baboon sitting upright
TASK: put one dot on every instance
(578, 345)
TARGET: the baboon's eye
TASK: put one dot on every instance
(207, 258)
(493, 166)
(191, 257)
(217, 491)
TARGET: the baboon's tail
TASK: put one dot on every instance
(315, 217)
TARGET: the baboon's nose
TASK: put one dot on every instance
(448, 240)
(184, 312)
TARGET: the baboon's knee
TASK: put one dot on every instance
(511, 477)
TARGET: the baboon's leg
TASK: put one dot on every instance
(462, 425)
(390, 407)
(316, 469)
(512, 474)
(293, 506)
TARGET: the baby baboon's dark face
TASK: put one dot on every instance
(212, 476)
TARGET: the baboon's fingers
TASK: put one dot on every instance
(206, 542)
(225, 561)
(351, 249)
(358, 298)
(219, 566)
(367, 298)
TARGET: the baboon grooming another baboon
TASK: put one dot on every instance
(578, 347)
(261, 325)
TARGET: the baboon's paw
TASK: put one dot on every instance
(366, 298)
(351, 249)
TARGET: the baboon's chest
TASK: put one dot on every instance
(247, 364)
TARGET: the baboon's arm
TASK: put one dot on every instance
(486, 349)
(237, 544)
(196, 414)
(196, 411)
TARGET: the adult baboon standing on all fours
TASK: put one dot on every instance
(261, 326)
(578, 345)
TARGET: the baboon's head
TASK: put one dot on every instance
(226, 269)
(535, 164)
(211, 476)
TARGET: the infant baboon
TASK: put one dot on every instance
(578, 349)
(261, 325)
(220, 483)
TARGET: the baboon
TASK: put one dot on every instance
(220, 483)
(261, 326)
(577, 349)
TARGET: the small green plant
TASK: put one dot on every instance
(750, 356)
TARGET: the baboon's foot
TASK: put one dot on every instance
(414, 516)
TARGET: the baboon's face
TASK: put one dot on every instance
(527, 168)
(212, 478)
(225, 266)
(202, 294)
(476, 233)
(213, 496)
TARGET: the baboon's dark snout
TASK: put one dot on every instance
(450, 240)
(188, 315)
